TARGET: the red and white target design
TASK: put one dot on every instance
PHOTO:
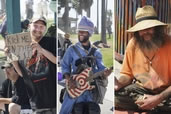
(83, 84)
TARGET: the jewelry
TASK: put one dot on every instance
(150, 60)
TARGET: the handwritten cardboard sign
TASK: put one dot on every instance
(19, 46)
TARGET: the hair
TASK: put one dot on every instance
(157, 39)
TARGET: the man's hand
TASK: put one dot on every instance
(71, 83)
(6, 51)
(36, 47)
(41, 51)
(149, 102)
(107, 72)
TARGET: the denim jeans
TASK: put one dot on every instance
(86, 108)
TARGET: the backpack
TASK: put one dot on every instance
(85, 62)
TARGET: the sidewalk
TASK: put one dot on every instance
(117, 68)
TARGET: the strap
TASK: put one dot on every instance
(92, 51)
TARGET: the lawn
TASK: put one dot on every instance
(106, 52)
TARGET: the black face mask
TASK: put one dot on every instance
(86, 38)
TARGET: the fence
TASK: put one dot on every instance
(124, 14)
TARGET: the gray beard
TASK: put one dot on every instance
(152, 44)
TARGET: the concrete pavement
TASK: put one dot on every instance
(117, 68)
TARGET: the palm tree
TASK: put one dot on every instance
(97, 16)
(65, 16)
(77, 6)
(87, 6)
(80, 5)
(103, 22)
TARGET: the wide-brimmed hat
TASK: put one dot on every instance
(43, 19)
(146, 17)
(86, 24)
(6, 65)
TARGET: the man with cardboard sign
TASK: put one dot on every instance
(19, 46)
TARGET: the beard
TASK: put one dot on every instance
(84, 40)
(155, 42)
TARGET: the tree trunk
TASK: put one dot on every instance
(88, 12)
(97, 16)
(65, 17)
(103, 23)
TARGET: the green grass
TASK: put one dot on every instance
(106, 52)
(1, 38)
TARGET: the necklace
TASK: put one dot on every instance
(150, 60)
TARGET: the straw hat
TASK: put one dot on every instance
(146, 17)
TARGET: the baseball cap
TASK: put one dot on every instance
(43, 19)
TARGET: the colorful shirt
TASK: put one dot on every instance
(154, 77)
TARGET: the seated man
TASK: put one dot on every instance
(145, 78)
(14, 91)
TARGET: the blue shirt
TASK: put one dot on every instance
(71, 56)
